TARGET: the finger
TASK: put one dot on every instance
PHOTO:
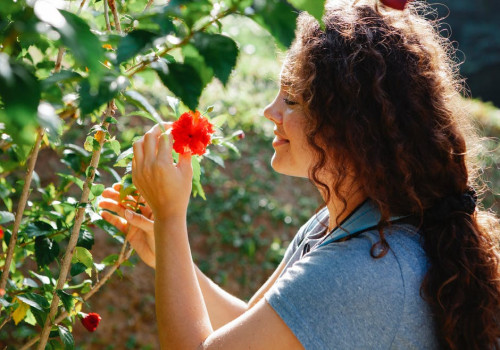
(117, 186)
(113, 206)
(118, 222)
(184, 164)
(138, 152)
(129, 200)
(165, 147)
(139, 221)
(150, 141)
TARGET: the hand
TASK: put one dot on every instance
(165, 185)
(138, 228)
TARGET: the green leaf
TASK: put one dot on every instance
(77, 269)
(144, 104)
(38, 228)
(115, 146)
(86, 238)
(67, 299)
(219, 120)
(70, 178)
(125, 157)
(46, 250)
(97, 189)
(82, 255)
(193, 58)
(91, 144)
(20, 95)
(110, 259)
(314, 7)
(189, 10)
(109, 86)
(133, 43)
(219, 51)
(34, 300)
(278, 17)
(182, 79)
(59, 77)
(6, 217)
(75, 34)
(197, 188)
(66, 337)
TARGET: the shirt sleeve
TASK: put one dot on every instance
(338, 296)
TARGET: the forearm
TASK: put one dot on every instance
(222, 307)
(183, 321)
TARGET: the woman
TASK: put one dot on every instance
(399, 257)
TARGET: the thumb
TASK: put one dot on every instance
(138, 220)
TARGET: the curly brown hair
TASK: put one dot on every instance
(382, 95)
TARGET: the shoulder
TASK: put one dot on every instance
(339, 290)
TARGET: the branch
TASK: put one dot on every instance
(143, 65)
(80, 214)
(112, 6)
(106, 16)
(124, 255)
(20, 208)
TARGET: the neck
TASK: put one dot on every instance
(338, 211)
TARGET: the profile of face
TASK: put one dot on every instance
(292, 154)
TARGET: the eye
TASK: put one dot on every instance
(289, 102)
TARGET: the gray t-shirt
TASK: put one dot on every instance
(334, 295)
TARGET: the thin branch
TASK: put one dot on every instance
(143, 65)
(116, 17)
(59, 58)
(106, 16)
(5, 321)
(20, 208)
(148, 5)
(80, 214)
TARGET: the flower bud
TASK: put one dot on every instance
(91, 321)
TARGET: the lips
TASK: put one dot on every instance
(279, 139)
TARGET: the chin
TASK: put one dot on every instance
(285, 168)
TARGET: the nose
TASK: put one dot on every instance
(273, 113)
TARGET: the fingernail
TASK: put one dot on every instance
(128, 214)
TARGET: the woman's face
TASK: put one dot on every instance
(292, 154)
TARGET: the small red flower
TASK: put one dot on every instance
(91, 321)
(395, 4)
(1, 232)
(192, 133)
(240, 135)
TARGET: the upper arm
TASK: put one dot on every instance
(258, 328)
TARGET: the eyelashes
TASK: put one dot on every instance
(289, 102)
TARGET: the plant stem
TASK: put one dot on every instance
(106, 16)
(114, 11)
(143, 65)
(80, 214)
(20, 208)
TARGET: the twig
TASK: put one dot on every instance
(5, 321)
(148, 5)
(106, 16)
(20, 208)
(114, 11)
(60, 55)
(80, 214)
(143, 65)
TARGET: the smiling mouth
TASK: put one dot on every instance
(279, 140)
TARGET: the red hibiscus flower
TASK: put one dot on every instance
(1, 232)
(396, 4)
(91, 321)
(192, 133)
